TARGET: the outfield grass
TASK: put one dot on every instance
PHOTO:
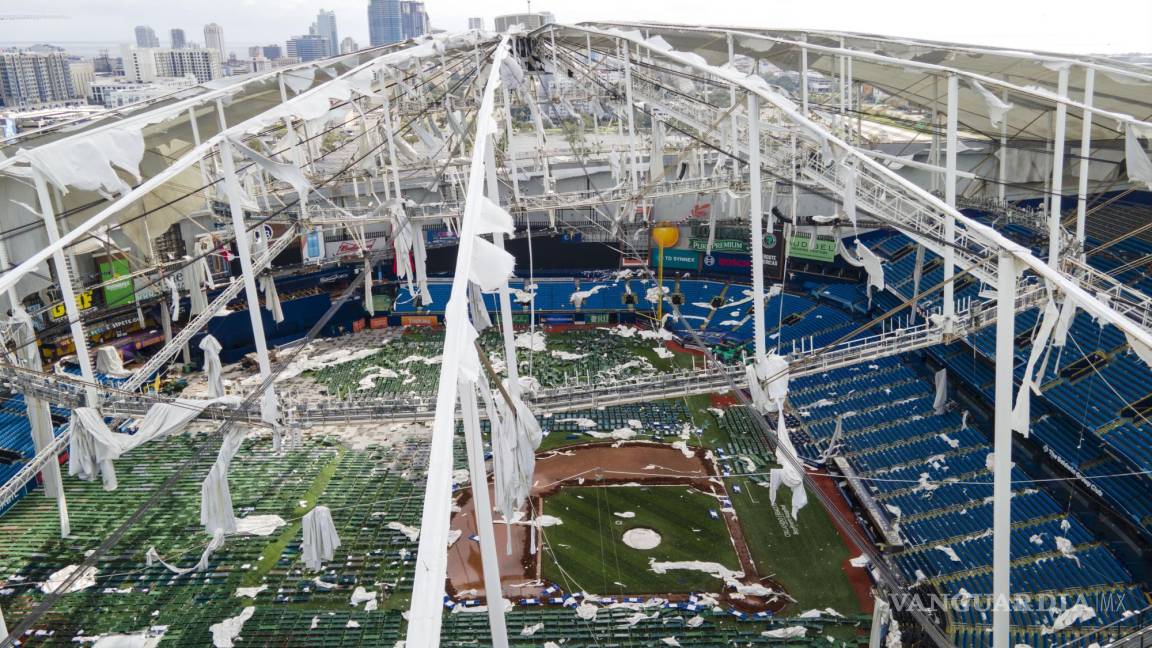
(589, 545)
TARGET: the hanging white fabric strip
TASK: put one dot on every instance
(1139, 166)
(271, 297)
(94, 446)
(216, 512)
(211, 348)
(320, 539)
(369, 303)
(151, 556)
(941, 392)
(1022, 412)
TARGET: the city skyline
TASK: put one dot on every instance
(1030, 25)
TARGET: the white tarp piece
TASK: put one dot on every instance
(94, 446)
(109, 362)
(1022, 411)
(1139, 166)
(941, 392)
(320, 538)
(271, 297)
(997, 108)
(211, 348)
(151, 556)
(867, 259)
(225, 632)
(215, 496)
(787, 475)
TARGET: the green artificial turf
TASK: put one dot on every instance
(587, 551)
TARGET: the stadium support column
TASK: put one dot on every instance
(950, 197)
(482, 504)
(804, 79)
(68, 294)
(755, 198)
(735, 127)
(511, 154)
(39, 416)
(1002, 450)
(631, 119)
(232, 186)
(1057, 170)
(1002, 167)
(1085, 151)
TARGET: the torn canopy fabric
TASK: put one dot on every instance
(151, 556)
(1139, 166)
(369, 303)
(94, 446)
(941, 400)
(288, 173)
(89, 163)
(211, 348)
(198, 280)
(320, 539)
(271, 297)
(108, 361)
(787, 474)
(1022, 411)
(516, 434)
(215, 497)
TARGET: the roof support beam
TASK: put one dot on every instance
(1085, 153)
(1054, 238)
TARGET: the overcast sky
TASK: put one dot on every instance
(1104, 26)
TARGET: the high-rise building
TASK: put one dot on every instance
(475, 23)
(178, 40)
(28, 80)
(413, 19)
(139, 64)
(308, 47)
(533, 20)
(214, 39)
(326, 29)
(146, 37)
(272, 52)
(384, 26)
(348, 46)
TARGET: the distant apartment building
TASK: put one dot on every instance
(348, 46)
(83, 74)
(475, 23)
(384, 25)
(178, 39)
(308, 48)
(214, 39)
(146, 37)
(533, 20)
(272, 52)
(29, 80)
(413, 20)
(146, 65)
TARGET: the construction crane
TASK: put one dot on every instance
(31, 17)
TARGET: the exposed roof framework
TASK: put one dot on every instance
(440, 113)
